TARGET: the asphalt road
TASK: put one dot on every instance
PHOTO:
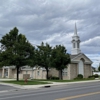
(83, 91)
(5, 87)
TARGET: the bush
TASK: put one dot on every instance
(79, 76)
(91, 77)
(54, 78)
(96, 76)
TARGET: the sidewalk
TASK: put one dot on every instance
(55, 84)
(45, 85)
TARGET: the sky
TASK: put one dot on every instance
(53, 22)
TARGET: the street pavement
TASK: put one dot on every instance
(4, 87)
(78, 91)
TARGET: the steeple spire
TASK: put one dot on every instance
(75, 31)
(75, 43)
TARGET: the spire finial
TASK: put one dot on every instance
(75, 31)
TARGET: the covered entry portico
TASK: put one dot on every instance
(7, 71)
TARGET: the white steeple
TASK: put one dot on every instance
(75, 31)
(75, 43)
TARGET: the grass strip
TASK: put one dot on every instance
(29, 82)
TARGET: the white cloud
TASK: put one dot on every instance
(53, 21)
(92, 42)
(95, 58)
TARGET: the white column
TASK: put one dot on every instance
(2, 72)
(9, 72)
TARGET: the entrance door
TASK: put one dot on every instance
(81, 67)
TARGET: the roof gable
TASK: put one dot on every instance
(76, 58)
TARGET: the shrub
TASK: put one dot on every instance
(96, 76)
(54, 78)
(79, 76)
(91, 77)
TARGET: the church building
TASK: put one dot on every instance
(80, 63)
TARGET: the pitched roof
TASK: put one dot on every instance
(72, 56)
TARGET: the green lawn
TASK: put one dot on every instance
(29, 82)
(40, 81)
(71, 80)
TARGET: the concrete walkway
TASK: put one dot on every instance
(43, 85)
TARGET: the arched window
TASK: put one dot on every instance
(81, 67)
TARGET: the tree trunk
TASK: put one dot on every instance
(32, 73)
(60, 74)
(17, 73)
(47, 74)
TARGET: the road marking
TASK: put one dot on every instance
(78, 96)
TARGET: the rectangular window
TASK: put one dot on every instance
(64, 72)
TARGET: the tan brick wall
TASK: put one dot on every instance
(73, 71)
(20, 76)
(37, 74)
(67, 77)
(40, 74)
(87, 70)
(54, 72)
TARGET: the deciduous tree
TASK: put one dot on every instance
(15, 50)
(60, 59)
(43, 56)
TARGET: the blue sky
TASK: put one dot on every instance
(53, 21)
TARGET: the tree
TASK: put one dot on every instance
(99, 68)
(60, 59)
(43, 56)
(32, 62)
(15, 50)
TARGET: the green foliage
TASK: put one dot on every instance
(96, 76)
(91, 77)
(54, 78)
(15, 50)
(22, 82)
(43, 56)
(99, 68)
(60, 59)
(79, 76)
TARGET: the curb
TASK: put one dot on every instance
(19, 87)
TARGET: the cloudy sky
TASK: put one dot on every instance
(53, 21)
